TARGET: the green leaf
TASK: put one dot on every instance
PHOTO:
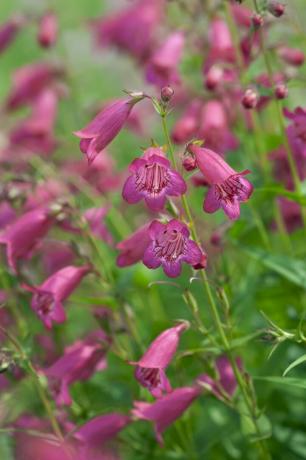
(286, 381)
(293, 270)
(277, 190)
(295, 363)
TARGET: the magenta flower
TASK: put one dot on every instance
(170, 246)
(153, 180)
(79, 362)
(188, 124)
(21, 236)
(162, 67)
(95, 217)
(105, 126)
(47, 33)
(292, 56)
(225, 384)
(8, 31)
(48, 297)
(101, 429)
(150, 369)
(133, 248)
(167, 409)
(227, 188)
(221, 45)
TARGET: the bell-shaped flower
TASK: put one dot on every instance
(48, 297)
(133, 247)
(164, 411)
(150, 369)
(152, 179)
(171, 246)
(22, 236)
(227, 188)
(105, 126)
(101, 429)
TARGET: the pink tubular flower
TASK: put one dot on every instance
(47, 33)
(225, 384)
(132, 29)
(292, 56)
(94, 217)
(150, 369)
(167, 409)
(227, 188)
(79, 362)
(170, 246)
(220, 41)
(48, 297)
(153, 180)
(101, 429)
(24, 233)
(187, 126)
(162, 66)
(105, 126)
(133, 248)
(8, 32)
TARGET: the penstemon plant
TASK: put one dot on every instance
(152, 280)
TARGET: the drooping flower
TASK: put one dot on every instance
(79, 362)
(162, 67)
(133, 248)
(150, 369)
(152, 179)
(9, 30)
(171, 246)
(292, 56)
(95, 217)
(105, 126)
(48, 297)
(21, 236)
(167, 409)
(101, 428)
(227, 187)
(47, 33)
(221, 45)
(225, 384)
(131, 29)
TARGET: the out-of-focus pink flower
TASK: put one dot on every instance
(29, 81)
(214, 128)
(79, 362)
(7, 214)
(21, 236)
(152, 179)
(167, 409)
(95, 217)
(101, 429)
(292, 56)
(276, 8)
(48, 297)
(221, 45)
(291, 214)
(105, 126)
(44, 193)
(9, 30)
(170, 246)
(227, 188)
(225, 384)
(36, 133)
(241, 14)
(48, 28)
(132, 248)
(162, 67)
(150, 369)
(187, 125)
(132, 29)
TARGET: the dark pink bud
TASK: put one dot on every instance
(202, 264)
(150, 369)
(171, 246)
(8, 32)
(48, 297)
(167, 409)
(250, 99)
(213, 77)
(166, 93)
(276, 8)
(227, 188)
(105, 126)
(281, 91)
(292, 56)
(153, 180)
(133, 248)
(47, 33)
(24, 234)
(257, 20)
(189, 163)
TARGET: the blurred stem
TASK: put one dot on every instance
(41, 390)
(264, 454)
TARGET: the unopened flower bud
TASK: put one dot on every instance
(213, 77)
(166, 93)
(257, 20)
(281, 91)
(250, 99)
(276, 8)
(189, 163)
